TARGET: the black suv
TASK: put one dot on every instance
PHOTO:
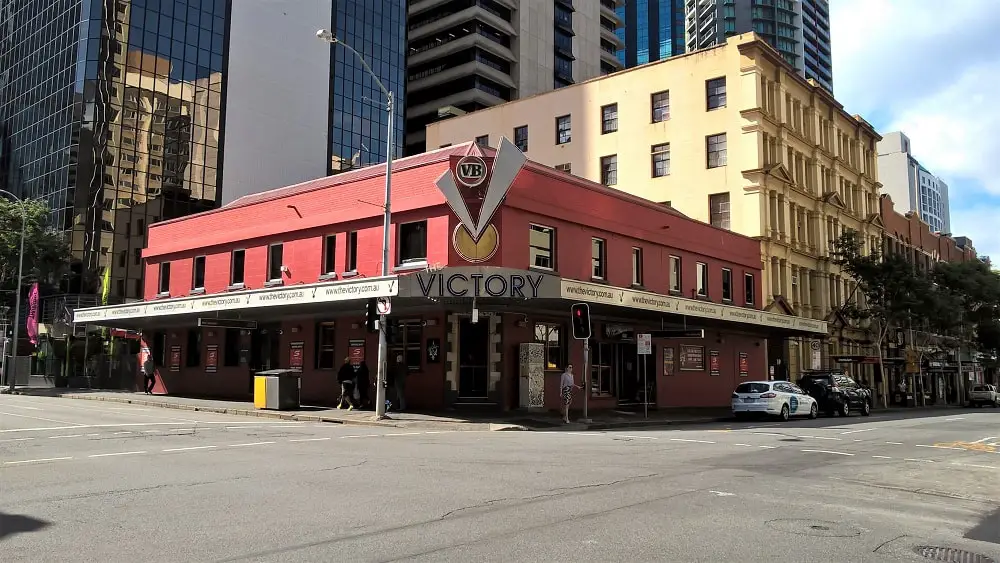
(836, 392)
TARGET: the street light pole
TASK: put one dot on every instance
(12, 376)
(383, 347)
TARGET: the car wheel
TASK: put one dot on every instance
(740, 415)
(866, 409)
(813, 411)
(845, 409)
(784, 413)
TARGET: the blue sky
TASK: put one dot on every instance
(931, 69)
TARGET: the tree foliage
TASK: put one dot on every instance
(46, 252)
(975, 294)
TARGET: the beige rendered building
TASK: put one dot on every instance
(729, 135)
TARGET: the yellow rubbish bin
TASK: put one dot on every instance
(277, 389)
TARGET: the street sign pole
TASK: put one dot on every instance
(645, 348)
(586, 381)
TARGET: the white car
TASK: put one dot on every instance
(981, 395)
(783, 399)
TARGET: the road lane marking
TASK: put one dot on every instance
(692, 441)
(120, 433)
(975, 465)
(768, 447)
(984, 440)
(919, 460)
(150, 431)
(309, 440)
(937, 447)
(402, 434)
(35, 460)
(856, 431)
(881, 457)
(619, 436)
(440, 431)
(112, 454)
(895, 443)
(134, 424)
(249, 444)
(25, 408)
(768, 434)
(66, 436)
(92, 435)
(722, 494)
(818, 437)
(190, 449)
(827, 452)
(954, 419)
(17, 440)
(745, 445)
(37, 418)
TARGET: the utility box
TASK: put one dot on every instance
(277, 389)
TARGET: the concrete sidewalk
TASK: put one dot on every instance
(513, 420)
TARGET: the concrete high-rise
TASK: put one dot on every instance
(469, 55)
(112, 112)
(798, 29)
(653, 30)
(300, 109)
(911, 185)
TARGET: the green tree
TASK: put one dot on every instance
(975, 294)
(892, 293)
(46, 252)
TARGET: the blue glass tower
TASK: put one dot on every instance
(654, 30)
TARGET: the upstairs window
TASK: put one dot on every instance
(749, 289)
(702, 279)
(275, 260)
(715, 146)
(597, 258)
(329, 254)
(727, 284)
(542, 247)
(198, 275)
(238, 262)
(564, 130)
(660, 102)
(718, 207)
(609, 118)
(164, 286)
(352, 251)
(609, 170)
(521, 138)
(636, 265)
(675, 273)
(715, 92)
(413, 242)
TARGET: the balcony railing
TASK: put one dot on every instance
(60, 308)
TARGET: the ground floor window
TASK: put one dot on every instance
(602, 360)
(326, 355)
(193, 348)
(407, 340)
(550, 335)
(231, 350)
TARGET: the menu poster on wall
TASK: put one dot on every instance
(668, 360)
(356, 351)
(692, 358)
(713, 363)
(744, 365)
(296, 353)
(211, 358)
(175, 358)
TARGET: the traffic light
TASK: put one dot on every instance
(581, 321)
(371, 315)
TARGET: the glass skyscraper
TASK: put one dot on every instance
(358, 120)
(112, 112)
(654, 30)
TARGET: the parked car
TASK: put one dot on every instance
(981, 395)
(836, 392)
(783, 399)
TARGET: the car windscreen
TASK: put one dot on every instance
(820, 380)
(979, 388)
(753, 388)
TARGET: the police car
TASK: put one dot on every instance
(783, 399)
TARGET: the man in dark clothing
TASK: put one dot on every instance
(397, 382)
(346, 378)
(363, 377)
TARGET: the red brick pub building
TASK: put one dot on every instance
(481, 286)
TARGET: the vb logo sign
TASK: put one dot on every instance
(470, 171)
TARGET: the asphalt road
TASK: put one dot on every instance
(87, 481)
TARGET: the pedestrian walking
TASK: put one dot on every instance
(566, 384)
(397, 382)
(148, 374)
(345, 375)
(364, 382)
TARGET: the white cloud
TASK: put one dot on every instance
(933, 72)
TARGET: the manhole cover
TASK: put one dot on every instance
(818, 528)
(951, 555)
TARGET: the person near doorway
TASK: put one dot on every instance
(346, 378)
(397, 382)
(364, 382)
(566, 385)
(148, 374)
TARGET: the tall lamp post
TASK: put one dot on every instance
(12, 376)
(329, 37)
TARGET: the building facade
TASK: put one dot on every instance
(910, 184)
(281, 137)
(653, 30)
(470, 55)
(798, 29)
(735, 138)
(482, 282)
(113, 113)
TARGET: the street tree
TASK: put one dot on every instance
(46, 251)
(892, 293)
(975, 293)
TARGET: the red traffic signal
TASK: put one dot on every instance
(581, 321)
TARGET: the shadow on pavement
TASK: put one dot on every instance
(988, 529)
(11, 524)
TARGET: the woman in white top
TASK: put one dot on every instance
(566, 384)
